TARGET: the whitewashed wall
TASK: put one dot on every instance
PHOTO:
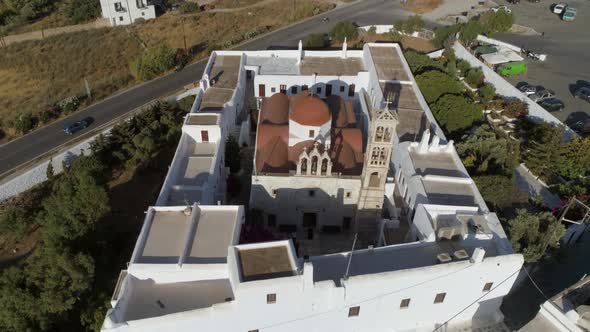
(131, 12)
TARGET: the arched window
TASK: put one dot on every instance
(314, 165)
(324, 166)
(304, 166)
(387, 135)
(379, 134)
(374, 180)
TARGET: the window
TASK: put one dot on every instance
(354, 311)
(204, 136)
(342, 88)
(351, 90)
(283, 88)
(142, 13)
(318, 90)
(328, 90)
(293, 90)
(273, 89)
(121, 18)
(304, 87)
(311, 193)
(311, 133)
(272, 220)
(119, 8)
(140, 4)
(274, 193)
(404, 304)
(440, 297)
(261, 90)
(488, 286)
(348, 194)
(271, 298)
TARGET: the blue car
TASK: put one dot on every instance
(72, 128)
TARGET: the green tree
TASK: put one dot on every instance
(80, 11)
(474, 77)
(482, 152)
(420, 63)
(471, 30)
(24, 123)
(50, 173)
(316, 40)
(77, 203)
(487, 92)
(433, 84)
(532, 233)
(495, 189)
(232, 154)
(455, 113)
(344, 29)
(445, 36)
(463, 66)
(500, 21)
(546, 153)
(576, 159)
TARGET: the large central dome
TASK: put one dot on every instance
(309, 110)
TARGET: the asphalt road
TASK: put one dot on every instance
(567, 46)
(24, 149)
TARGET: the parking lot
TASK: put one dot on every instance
(567, 45)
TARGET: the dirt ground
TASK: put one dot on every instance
(421, 6)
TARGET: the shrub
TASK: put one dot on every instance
(413, 23)
(487, 92)
(495, 189)
(153, 63)
(456, 113)
(372, 30)
(343, 30)
(434, 84)
(24, 123)
(186, 103)
(80, 11)
(532, 233)
(420, 63)
(69, 104)
(189, 7)
(316, 40)
(474, 77)
(463, 66)
(516, 109)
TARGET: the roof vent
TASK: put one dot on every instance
(443, 258)
(478, 255)
(461, 254)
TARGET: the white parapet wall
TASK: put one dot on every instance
(503, 87)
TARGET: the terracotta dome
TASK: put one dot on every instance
(272, 149)
(275, 109)
(309, 110)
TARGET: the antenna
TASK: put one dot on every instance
(350, 257)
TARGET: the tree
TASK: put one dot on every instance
(409, 26)
(495, 189)
(463, 66)
(483, 152)
(344, 29)
(420, 63)
(471, 30)
(232, 154)
(372, 30)
(532, 233)
(474, 77)
(492, 22)
(316, 40)
(445, 36)
(80, 11)
(576, 159)
(24, 123)
(434, 84)
(546, 153)
(487, 92)
(49, 172)
(455, 113)
(78, 202)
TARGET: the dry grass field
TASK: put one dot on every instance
(422, 6)
(37, 74)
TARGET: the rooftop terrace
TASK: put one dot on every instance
(332, 66)
(435, 163)
(388, 64)
(266, 260)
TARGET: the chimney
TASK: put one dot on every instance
(299, 52)
(344, 47)
(478, 255)
(423, 146)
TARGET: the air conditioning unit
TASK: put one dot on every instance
(443, 258)
(461, 254)
(448, 226)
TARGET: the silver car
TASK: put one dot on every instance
(540, 95)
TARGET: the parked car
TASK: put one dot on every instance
(511, 68)
(552, 104)
(529, 89)
(583, 93)
(582, 83)
(501, 7)
(569, 14)
(540, 95)
(72, 128)
(558, 8)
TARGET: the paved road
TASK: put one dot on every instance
(17, 152)
(567, 46)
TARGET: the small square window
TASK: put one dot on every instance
(354, 311)
(404, 304)
(311, 133)
(271, 298)
(488, 286)
(440, 297)
(293, 90)
(318, 90)
(120, 18)
(311, 193)
(342, 88)
(348, 194)
(273, 90)
(142, 14)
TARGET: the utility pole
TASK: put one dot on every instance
(183, 34)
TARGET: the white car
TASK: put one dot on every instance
(502, 7)
(559, 8)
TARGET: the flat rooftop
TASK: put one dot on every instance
(388, 64)
(148, 299)
(205, 236)
(331, 66)
(411, 124)
(401, 96)
(273, 261)
(274, 65)
(435, 163)
(224, 72)
(202, 119)
(214, 98)
(449, 193)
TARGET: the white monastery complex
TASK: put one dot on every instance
(361, 216)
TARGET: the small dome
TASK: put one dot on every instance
(275, 109)
(309, 110)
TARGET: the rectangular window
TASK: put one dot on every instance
(318, 90)
(488, 286)
(261, 90)
(348, 194)
(271, 298)
(440, 297)
(311, 133)
(354, 311)
(304, 87)
(121, 18)
(142, 13)
(283, 89)
(405, 303)
(274, 193)
(351, 90)
(293, 90)
(272, 220)
(328, 90)
(342, 88)
(311, 193)
(118, 7)
(204, 136)
(273, 89)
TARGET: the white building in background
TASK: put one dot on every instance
(347, 156)
(124, 12)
